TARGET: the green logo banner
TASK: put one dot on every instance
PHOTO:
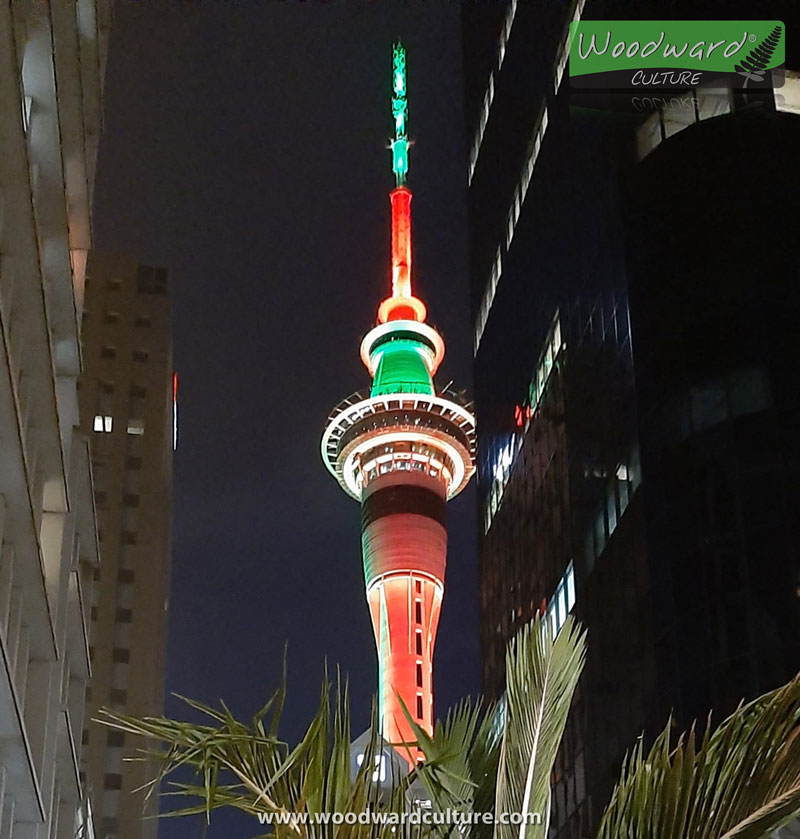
(615, 54)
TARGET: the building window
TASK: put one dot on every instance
(108, 352)
(93, 613)
(419, 674)
(562, 601)
(136, 427)
(120, 655)
(138, 392)
(419, 706)
(123, 616)
(419, 642)
(418, 611)
(109, 827)
(107, 387)
(142, 321)
(130, 499)
(85, 737)
(103, 423)
(128, 537)
(125, 575)
(133, 462)
(115, 738)
(100, 498)
(117, 696)
(113, 780)
(418, 586)
(110, 317)
(140, 355)
(151, 280)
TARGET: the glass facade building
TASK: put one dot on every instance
(593, 497)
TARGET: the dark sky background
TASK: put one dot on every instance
(244, 149)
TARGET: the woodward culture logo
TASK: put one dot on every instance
(421, 816)
(676, 54)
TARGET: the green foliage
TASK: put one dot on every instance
(248, 767)
(741, 781)
(542, 673)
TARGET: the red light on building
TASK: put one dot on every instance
(521, 414)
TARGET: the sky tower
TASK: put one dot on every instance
(403, 449)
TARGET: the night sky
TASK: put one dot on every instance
(244, 148)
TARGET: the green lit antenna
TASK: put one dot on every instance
(400, 114)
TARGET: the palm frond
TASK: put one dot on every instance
(741, 781)
(460, 767)
(542, 673)
(249, 768)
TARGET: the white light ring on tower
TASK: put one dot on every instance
(460, 457)
(406, 572)
(354, 411)
(339, 423)
(427, 333)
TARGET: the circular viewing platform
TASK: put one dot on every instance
(367, 436)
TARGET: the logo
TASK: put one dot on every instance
(624, 54)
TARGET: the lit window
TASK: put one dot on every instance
(570, 587)
(562, 601)
(103, 423)
(380, 767)
(136, 426)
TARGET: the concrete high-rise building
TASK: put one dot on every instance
(634, 458)
(403, 450)
(52, 58)
(128, 406)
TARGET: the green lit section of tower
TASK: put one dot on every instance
(400, 114)
(402, 368)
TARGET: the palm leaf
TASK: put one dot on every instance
(542, 673)
(249, 768)
(741, 781)
(460, 767)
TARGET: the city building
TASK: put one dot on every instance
(402, 449)
(592, 263)
(128, 400)
(718, 403)
(52, 59)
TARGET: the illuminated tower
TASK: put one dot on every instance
(403, 450)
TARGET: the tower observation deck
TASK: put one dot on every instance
(403, 449)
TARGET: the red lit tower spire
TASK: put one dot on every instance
(403, 450)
